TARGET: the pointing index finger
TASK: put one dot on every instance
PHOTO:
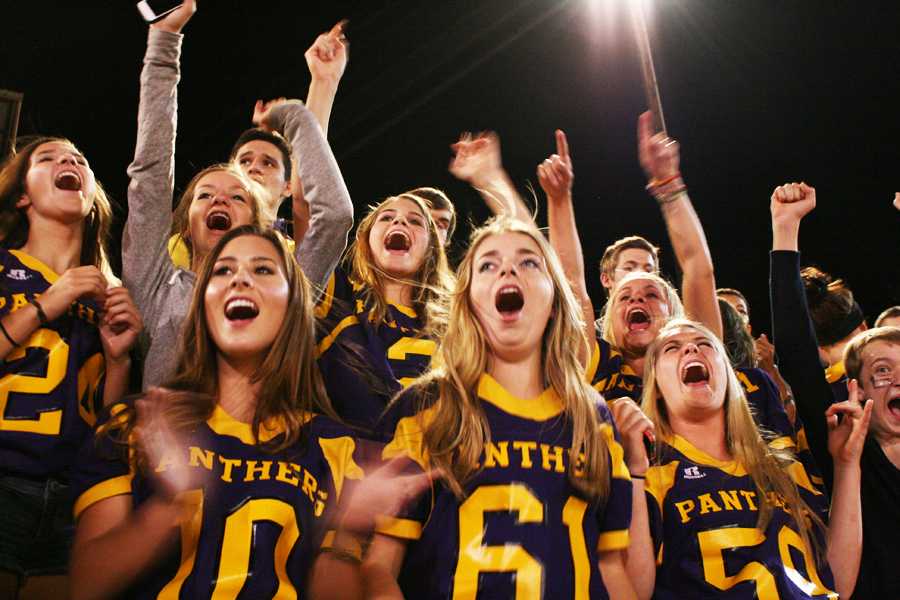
(562, 145)
(338, 30)
(645, 128)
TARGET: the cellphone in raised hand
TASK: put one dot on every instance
(154, 10)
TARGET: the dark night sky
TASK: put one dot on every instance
(758, 93)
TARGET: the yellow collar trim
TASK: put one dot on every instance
(732, 467)
(409, 311)
(224, 424)
(593, 363)
(835, 372)
(35, 265)
(544, 407)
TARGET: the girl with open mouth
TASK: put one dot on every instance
(732, 511)
(383, 310)
(533, 494)
(223, 483)
(641, 303)
(216, 200)
(67, 327)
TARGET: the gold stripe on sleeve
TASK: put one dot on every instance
(406, 529)
(116, 486)
(613, 540)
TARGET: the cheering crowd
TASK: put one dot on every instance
(254, 409)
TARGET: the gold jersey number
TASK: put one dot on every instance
(475, 557)
(714, 542)
(237, 547)
(47, 422)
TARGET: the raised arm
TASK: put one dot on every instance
(555, 176)
(792, 329)
(845, 443)
(660, 159)
(476, 160)
(330, 208)
(326, 59)
(145, 260)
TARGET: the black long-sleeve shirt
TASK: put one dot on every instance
(796, 344)
(795, 341)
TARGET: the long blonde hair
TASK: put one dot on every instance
(14, 226)
(676, 308)
(745, 442)
(459, 431)
(292, 386)
(432, 283)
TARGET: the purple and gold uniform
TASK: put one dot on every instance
(257, 523)
(610, 375)
(836, 376)
(522, 531)
(50, 386)
(365, 363)
(703, 515)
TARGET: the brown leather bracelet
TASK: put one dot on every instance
(8, 337)
(42, 316)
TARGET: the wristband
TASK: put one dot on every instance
(639, 476)
(655, 183)
(665, 188)
(669, 197)
(42, 316)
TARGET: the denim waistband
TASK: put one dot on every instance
(36, 487)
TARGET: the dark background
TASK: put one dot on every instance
(758, 94)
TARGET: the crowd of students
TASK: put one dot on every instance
(368, 422)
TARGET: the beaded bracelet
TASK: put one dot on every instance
(672, 196)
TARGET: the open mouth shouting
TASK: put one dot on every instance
(893, 406)
(509, 302)
(397, 241)
(218, 220)
(694, 373)
(241, 310)
(638, 319)
(68, 180)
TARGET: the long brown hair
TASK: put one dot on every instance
(291, 385)
(459, 431)
(834, 312)
(432, 283)
(767, 466)
(738, 342)
(181, 225)
(14, 226)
